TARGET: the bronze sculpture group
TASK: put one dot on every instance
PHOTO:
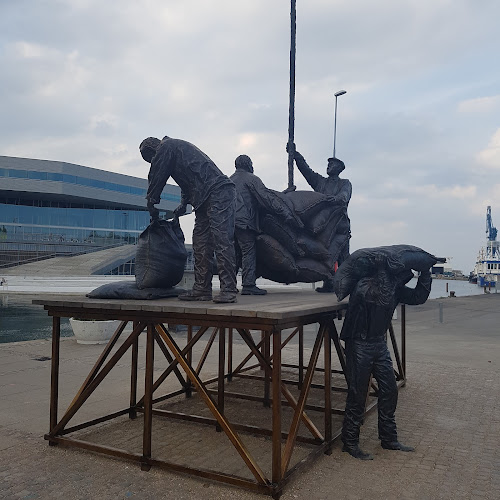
(295, 236)
(290, 237)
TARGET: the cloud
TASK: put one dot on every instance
(480, 105)
(490, 157)
(451, 192)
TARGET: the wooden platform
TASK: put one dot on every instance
(271, 315)
(275, 307)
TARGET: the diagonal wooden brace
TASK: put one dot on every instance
(288, 395)
(101, 360)
(174, 362)
(221, 419)
(73, 408)
(294, 428)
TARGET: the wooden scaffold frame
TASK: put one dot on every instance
(279, 311)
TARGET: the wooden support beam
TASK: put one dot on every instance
(148, 399)
(70, 412)
(54, 372)
(223, 422)
(288, 395)
(294, 428)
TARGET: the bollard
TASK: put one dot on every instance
(440, 312)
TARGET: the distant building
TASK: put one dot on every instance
(50, 208)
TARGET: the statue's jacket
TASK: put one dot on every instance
(372, 304)
(194, 172)
(330, 186)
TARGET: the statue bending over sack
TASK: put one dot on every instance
(212, 195)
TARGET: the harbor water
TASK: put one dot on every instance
(20, 320)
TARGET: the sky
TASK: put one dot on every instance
(84, 81)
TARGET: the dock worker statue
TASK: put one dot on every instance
(247, 222)
(338, 192)
(253, 199)
(376, 280)
(212, 196)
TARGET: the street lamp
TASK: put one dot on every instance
(337, 94)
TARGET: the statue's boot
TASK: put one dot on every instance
(356, 452)
(253, 290)
(396, 445)
(193, 295)
(225, 297)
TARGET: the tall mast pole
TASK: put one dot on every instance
(340, 92)
(291, 109)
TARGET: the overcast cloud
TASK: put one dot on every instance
(84, 81)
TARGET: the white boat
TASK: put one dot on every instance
(487, 268)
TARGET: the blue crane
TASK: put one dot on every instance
(491, 230)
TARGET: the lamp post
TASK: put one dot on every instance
(337, 94)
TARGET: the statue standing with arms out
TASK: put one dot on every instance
(339, 193)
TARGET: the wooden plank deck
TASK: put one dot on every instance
(276, 305)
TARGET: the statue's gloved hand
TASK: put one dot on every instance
(291, 147)
(180, 210)
(153, 211)
(425, 277)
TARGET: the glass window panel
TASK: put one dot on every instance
(54, 176)
(8, 213)
(25, 214)
(19, 174)
(71, 179)
(122, 189)
(3, 172)
(37, 175)
(138, 191)
(87, 217)
(84, 181)
(99, 218)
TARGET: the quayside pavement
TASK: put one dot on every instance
(449, 410)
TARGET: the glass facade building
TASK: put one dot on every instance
(52, 208)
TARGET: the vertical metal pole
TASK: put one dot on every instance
(148, 399)
(266, 347)
(54, 373)
(133, 377)
(403, 339)
(335, 128)
(327, 346)
(276, 377)
(262, 349)
(189, 386)
(230, 355)
(337, 94)
(291, 110)
(220, 379)
(301, 356)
